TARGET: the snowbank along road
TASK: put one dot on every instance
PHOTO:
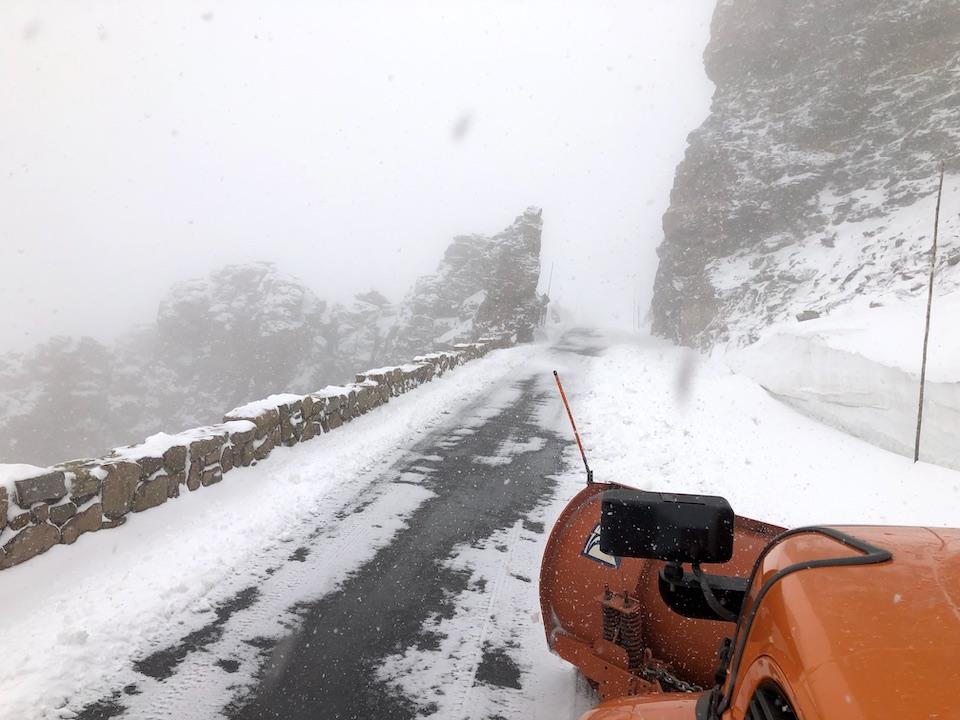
(405, 582)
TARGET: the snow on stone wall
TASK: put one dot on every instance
(43, 507)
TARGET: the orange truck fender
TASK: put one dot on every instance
(852, 622)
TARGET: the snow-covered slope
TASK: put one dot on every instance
(665, 418)
(812, 180)
(872, 261)
(859, 370)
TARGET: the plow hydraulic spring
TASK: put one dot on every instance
(632, 640)
(611, 623)
(623, 625)
(611, 616)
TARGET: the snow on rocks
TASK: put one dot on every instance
(34, 487)
(484, 285)
(12, 472)
(192, 458)
(267, 404)
(441, 361)
(26, 495)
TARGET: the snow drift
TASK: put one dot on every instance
(859, 370)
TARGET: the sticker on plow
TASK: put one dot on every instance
(592, 550)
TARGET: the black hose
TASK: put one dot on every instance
(711, 599)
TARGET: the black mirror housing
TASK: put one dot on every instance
(666, 526)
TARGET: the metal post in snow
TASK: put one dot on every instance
(926, 329)
(543, 310)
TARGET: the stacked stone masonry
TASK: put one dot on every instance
(67, 500)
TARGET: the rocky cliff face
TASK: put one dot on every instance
(809, 185)
(483, 286)
(247, 331)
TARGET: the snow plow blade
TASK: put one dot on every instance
(606, 616)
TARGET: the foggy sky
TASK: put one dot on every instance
(144, 143)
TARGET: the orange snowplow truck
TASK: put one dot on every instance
(674, 608)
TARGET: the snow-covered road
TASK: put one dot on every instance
(210, 605)
(390, 571)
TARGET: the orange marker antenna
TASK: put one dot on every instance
(576, 435)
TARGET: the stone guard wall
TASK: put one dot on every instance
(64, 501)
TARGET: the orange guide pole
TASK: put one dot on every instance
(563, 396)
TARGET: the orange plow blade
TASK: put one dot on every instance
(605, 615)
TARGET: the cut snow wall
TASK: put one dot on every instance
(855, 393)
(43, 507)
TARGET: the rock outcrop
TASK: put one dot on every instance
(483, 286)
(810, 182)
